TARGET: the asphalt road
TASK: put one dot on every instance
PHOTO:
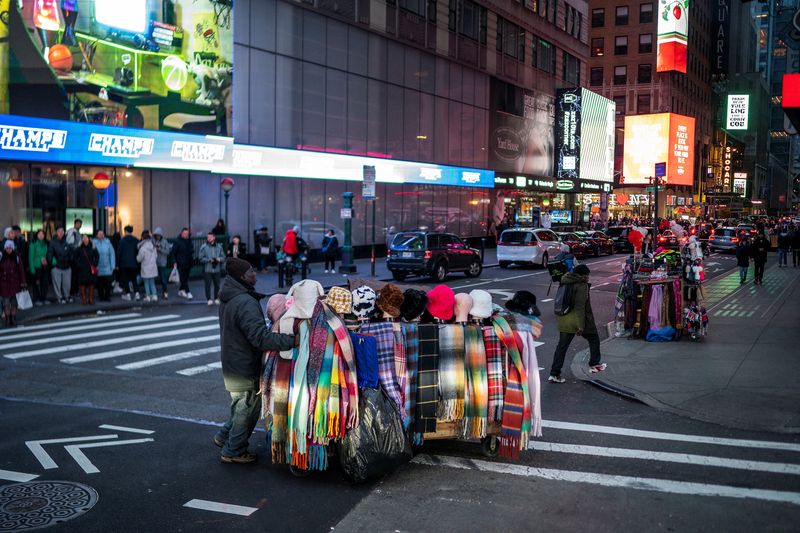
(604, 463)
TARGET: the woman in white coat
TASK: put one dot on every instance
(147, 257)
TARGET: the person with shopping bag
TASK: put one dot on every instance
(12, 282)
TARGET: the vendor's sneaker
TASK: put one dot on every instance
(218, 442)
(244, 458)
(596, 369)
(556, 379)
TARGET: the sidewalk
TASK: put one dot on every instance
(267, 284)
(744, 374)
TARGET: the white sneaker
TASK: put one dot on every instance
(154, 298)
(333, 271)
(182, 294)
(216, 301)
(326, 271)
(137, 297)
(166, 296)
(126, 297)
(189, 296)
(211, 302)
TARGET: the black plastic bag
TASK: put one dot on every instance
(378, 445)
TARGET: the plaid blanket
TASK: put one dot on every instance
(495, 355)
(452, 377)
(382, 331)
(476, 405)
(427, 381)
(410, 333)
(516, 424)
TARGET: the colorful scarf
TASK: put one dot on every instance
(382, 331)
(366, 350)
(494, 364)
(410, 333)
(400, 360)
(298, 401)
(427, 381)
(316, 354)
(348, 375)
(528, 329)
(452, 376)
(277, 376)
(324, 386)
(336, 421)
(476, 405)
(516, 425)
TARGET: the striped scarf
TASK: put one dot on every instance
(382, 331)
(494, 364)
(324, 386)
(316, 354)
(476, 405)
(298, 401)
(516, 425)
(427, 381)
(529, 329)
(410, 333)
(348, 376)
(400, 362)
(275, 390)
(336, 421)
(452, 377)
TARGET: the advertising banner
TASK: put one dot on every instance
(655, 138)
(524, 143)
(584, 135)
(740, 183)
(673, 33)
(738, 109)
(568, 133)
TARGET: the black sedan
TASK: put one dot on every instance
(578, 246)
(667, 239)
(599, 242)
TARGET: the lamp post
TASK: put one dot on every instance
(101, 181)
(347, 266)
(226, 184)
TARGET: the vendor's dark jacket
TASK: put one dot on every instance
(581, 317)
(244, 336)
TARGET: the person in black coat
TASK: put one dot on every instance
(86, 260)
(183, 252)
(759, 251)
(236, 248)
(743, 259)
(127, 264)
(330, 249)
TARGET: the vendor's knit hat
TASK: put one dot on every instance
(276, 307)
(10, 244)
(340, 300)
(364, 301)
(524, 303)
(414, 302)
(390, 298)
(441, 301)
(236, 267)
(463, 306)
(481, 303)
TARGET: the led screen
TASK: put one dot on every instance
(561, 217)
(129, 15)
(673, 33)
(656, 138)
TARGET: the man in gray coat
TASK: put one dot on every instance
(211, 256)
(244, 337)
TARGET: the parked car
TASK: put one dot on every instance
(749, 229)
(668, 239)
(431, 254)
(527, 246)
(599, 241)
(579, 247)
(619, 234)
(723, 239)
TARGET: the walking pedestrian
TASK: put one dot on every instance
(59, 256)
(37, 266)
(743, 257)
(212, 257)
(147, 257)
(86, 260)
(289, 247)
(128, 265)
(183, 251)
(163, 250)
(236, 248)
(330, 249)
(796, 247)
(578, 321)
(73, 240)
(263, 244)
(784, 243)
(106, 263)
(244, 337)
(12, 281)
(759, 249)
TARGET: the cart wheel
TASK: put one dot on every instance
(490, 446)
(299, 472)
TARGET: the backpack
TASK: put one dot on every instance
(564, 300)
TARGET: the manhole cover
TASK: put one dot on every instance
(39, 504)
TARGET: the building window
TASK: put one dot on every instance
(621, 45)
(597, 47)
(598, 18)
(645, 13)
(571, 71)
(544, 55)
(577, 23)
(622, 16)
(572, 21)
(417, 7)
(472, 20)
(510, 39)
(620, 104)
(645, 43)
(596, 76)
(645, 73)
(643, 104)
(620, 75)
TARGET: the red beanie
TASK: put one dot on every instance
(441, 302)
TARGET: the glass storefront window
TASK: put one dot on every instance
(14, 187)
(49, 193)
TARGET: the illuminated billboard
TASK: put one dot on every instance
(152, 64)
(673, 33)
(655, 138)
(584, 135)
(738, 109)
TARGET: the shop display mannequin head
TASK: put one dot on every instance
(481, 304)
(441, 302)
(463, 307)
(364, 302)
(414, 303)
(390, 298)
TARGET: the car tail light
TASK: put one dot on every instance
(428, 254)
(735, 239)
(694, 231)
(661, 238)
(500, 243)
(388, 253)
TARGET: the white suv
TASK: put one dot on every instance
(527, 246)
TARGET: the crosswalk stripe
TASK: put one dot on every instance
(111, 326)
(609, 480)
(138, 349)
(106, 342)
(54, 337)
(698, 439)
(168, 358)
(684, 458)
(199, 369)
(51, 325)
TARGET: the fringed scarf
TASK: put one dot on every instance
(529, 329)
(316, 354)
(324, 387)
(427, 381)
(516, 425)
(275, 387)
(336, 421)
(348, 376)
(452, 377)
(476, 404)
(410, 333)
(400, 360)
(298, 401)
(382, 331)
(494, 365)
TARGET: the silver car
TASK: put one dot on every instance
(527, 246)
(723, 239)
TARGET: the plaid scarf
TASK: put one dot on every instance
(324, 386)
(476, 402)
(275, 389)
(516, 425)
(427, 381)
(382, 331)
(410, 335)
(348, 375)
(494, 363)
(336, 422)
(298, 401)
(529, 329)
(400, 362)
(452, 377)
(316, 354)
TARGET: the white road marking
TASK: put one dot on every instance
(547, 300)
(218, 507)
(35, 446)
(106, 342)
(600, 285)
(110, 327)
(138, 349)
(536, 344)
(19, 477)
(199, 369)
(84, 462)
(110, 331)
(50, 325)
(129, 430)
(168, 358)
(683, 458)
(608, 480)
(698, 439)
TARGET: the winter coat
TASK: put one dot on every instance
(581, 317)
(244, 336)
(163, 249)
(107, 260)
(743, 255)
(126, 252)
(73, 238)
(59, 254)
(290, 243)
(262, 240)
(209, 252)
(796, 240)
(12, 274)
(86, 257)
(784, 240)
(759, 249)
(330, 245)
(241, 253)
(183, 251)
(148, 259)
(36, 253)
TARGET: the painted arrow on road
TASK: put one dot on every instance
(84, 462)
(501, 293)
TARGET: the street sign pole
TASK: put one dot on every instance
(368, 193)
(347, 266)
(658, 175)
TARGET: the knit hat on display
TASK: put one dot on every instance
(340, 300)
(463, 306)
(390, 298)
(236, 268)
(305, 294)
(441, 301)
(524, 303)
(276, 307)
(481, 304)
(414, 302)
(364, 301)
(10, 244)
